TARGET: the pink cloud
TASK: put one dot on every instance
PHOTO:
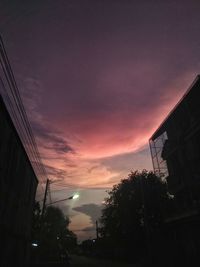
(101, 86)
(103, 134)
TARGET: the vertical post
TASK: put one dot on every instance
(97, 230)
(41, 221)
(45, 198)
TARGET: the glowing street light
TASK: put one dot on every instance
(34, 244)
(75, 196)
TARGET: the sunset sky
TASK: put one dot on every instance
(97, 78)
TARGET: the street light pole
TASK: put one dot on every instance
(45, 198)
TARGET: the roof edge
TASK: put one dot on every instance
(197, 78)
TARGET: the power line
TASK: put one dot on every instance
(19, 115)
(64, 189)
(11, 80)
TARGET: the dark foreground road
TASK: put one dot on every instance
(80, 261)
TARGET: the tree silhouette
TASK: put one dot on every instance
(52, 232)
(133, 210)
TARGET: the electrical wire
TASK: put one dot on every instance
(19, 116)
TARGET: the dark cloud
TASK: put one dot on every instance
(55, 172)
(124, 163)
(51, 139)
(92, 210)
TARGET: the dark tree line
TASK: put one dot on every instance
(51, 233)
(132, 212)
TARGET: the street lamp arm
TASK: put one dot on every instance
(72, 197)
(59, 200)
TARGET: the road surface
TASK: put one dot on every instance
(80, 261)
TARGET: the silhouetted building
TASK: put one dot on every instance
(18, 185)
(175, 150)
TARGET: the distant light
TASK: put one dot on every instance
(170, 196)
(58, 237)
(75, 196)
(94, 240)
(34, 244)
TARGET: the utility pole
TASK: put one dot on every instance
(45, 198)
(97, 230)
(41, 221)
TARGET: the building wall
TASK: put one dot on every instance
(180, 150)
(177, 157)
(18, 185)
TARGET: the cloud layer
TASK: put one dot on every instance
(98, 78)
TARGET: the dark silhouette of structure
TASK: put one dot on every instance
(20, 170)
(175, 150)
(18, 185)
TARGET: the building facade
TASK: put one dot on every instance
(18, 185)
(175, 150)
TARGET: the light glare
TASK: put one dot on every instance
(75, 196)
